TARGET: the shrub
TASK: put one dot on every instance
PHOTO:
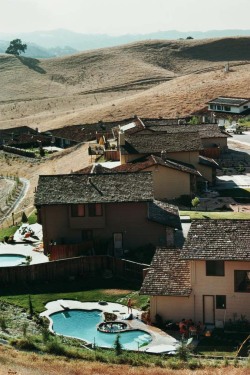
(55, 347)
(25, 326)
(118, 346)
(183, 352)
(24, 217)
(194, 364)
(24, 344)
(175, 364)
(3, 323)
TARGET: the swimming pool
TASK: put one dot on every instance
(82, 324)
(8, 260)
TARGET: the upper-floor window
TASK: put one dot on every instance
(77, 210)
(242, 281)
(215, 268)
(227, 108)
(95, 209)
(219, 108)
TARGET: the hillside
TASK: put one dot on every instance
(152, 78)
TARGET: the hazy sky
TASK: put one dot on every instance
(123, 16)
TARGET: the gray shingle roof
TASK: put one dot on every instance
(156, 142)
(205, 131)
(218, 240)
(164, 213)
(169, 275)
(94, 188)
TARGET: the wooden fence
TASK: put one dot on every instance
(73, 268)
(57, 252)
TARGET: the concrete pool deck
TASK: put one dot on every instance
(25, 249)
(159, 338)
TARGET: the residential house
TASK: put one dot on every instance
(23, 137)
(207, 280)
(171, 179)
(224, 110)
(180, 147)
(117, 209)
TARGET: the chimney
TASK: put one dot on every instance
(121, 138)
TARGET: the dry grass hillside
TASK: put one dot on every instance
(152, 78)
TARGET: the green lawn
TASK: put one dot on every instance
(32, 219)
(216, 215)
(112, 290)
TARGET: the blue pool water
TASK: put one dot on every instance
(82, 324)
(8, 260)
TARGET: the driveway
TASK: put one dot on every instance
(234, 181)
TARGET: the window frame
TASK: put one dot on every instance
(75, 208)
(93, 211)
(219, 263)
(244, 278)
(221, 302)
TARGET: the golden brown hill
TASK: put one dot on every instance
(152, 78)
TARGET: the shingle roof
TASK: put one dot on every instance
(205, 131)
(81, 132)
(94, 188)
(229, 101)
(149, 122)
(157, 142)
(146, 162)
(164, 213)
(169, 275)
(218, 240)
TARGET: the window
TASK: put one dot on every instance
(215, 268)
(95, 209)
(77, 210)
(218, 107)
(242, 281)
(221, 302)
(87, 235)
(227, 108)
(211, 106)
(245, 106)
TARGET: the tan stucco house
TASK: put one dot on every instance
(171, 179)
(207, 280)
(115, 209)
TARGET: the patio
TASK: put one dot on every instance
(25, 249)
(161, 341)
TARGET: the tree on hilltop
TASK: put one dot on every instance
(16, 47)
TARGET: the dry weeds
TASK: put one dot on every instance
(21, 363)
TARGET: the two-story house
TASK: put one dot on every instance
(224, 110)
(117, 209)
(207, 280)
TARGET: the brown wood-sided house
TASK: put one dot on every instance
(117, 209)
(207, 280)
